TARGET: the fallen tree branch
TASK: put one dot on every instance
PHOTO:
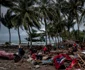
(79, 64)
(81, 59)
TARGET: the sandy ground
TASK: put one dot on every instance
(10, 65)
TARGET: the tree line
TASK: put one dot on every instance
(58, 17)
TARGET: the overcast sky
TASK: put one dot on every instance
(4, 35)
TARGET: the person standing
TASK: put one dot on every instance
(45, 49)
(21, 51)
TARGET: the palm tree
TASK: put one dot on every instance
(27, 13)
(6, 3)
(74, 9)
(69, 23)
(6, 21)
(46, 13)
(78, 8)
(17, 25)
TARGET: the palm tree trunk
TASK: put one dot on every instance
(78, 31)
(58, 42)
(68, 33)
(9, 36)
(45, 30)
(19, 36)
(49, 40)
(55, 40)
(30, 38)
(73, 35)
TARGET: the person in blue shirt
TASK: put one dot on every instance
(21, 51)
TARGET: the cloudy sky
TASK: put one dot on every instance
(4, 35)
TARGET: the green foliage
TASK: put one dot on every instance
(24, 10)
(6, 20)
(7, 44)
(35, 36)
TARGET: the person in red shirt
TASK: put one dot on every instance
(45, 49)
(33, 56)
(75, 47)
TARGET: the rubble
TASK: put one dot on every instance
(44, 61)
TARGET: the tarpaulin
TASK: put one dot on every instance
(7, 55)
(74, 61)
(59, 60)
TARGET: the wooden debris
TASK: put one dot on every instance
(81, 59)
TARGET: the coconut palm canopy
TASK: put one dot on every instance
(36, 36)
(6, 21)
(57, 16)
